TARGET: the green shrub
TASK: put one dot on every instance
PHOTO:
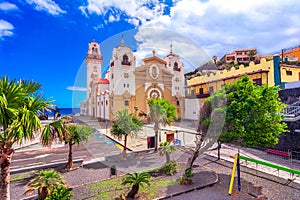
(61, 193)
(170, 168)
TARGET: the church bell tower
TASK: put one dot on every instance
(93, 61)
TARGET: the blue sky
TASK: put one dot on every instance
(46, 40)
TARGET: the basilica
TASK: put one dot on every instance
(128, 86)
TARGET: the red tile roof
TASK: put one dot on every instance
(103, 81)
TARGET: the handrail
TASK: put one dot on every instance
(293, 171)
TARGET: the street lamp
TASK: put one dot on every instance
(136, 109)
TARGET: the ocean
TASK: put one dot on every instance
(65, 111)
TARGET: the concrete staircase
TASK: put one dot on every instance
(292, 112)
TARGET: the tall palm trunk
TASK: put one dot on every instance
(167, 157)
(70, 159)
(156, 135)
(5, 158)
(125, 143)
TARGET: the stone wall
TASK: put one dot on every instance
(289, 96)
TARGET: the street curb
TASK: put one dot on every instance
(49, 165)
(190, 190)
(111, 138)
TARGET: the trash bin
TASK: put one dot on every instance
(113, 171)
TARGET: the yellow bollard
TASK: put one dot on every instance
(232, 174)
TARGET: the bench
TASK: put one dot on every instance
(278, 152)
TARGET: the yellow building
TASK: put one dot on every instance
(266, 72)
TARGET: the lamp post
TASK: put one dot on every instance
(136, 109)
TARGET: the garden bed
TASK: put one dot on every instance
(160, 186)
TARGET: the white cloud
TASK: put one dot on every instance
(46, 5)
(138, 12)
(75, 88)
(218, 26)
(221, 26)
(8, 6)
(5, 28)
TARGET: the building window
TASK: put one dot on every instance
(126, 75)
(126, 103)
(193, 92)
(289, 73)
(112, 76)
(177, 103)
(127, 85)
(176, 79)
(124, 85)
(211, 89)
(125, 60)
(106, 102)
(201, 91)
(257, 81)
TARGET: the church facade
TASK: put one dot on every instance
(128, 86)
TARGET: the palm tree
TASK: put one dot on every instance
(76, 134)
(45, 183)
(161, 112)
(19, 105)
(135, 180)
(125, 124)
(166, 149)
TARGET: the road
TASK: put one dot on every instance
(97, 147)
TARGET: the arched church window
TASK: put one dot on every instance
(175, 65)
(176, 68)
(125, 60)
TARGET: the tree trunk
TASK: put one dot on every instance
(5, 179)
(5, 160)
(125, 144)
(43, 193)
(196, 152)
(70, 159)
(167, 157)
(156, 136)
(134, 190)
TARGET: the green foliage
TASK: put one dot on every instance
(162, 111)
(19, 104)
(188, 174)
(125, 124)
(78, 133)
(52, 131)
(60, 193)
(46, 182)
(136, 179)
(170, 168)
(254, 114)
(166, 148)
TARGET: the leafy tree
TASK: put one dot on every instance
(19, 105)
(166, 149)
(161, 112)
(124, 124)
(215, 58)
(252, 53)
(76, 134)
(45, 182)
(254, 114)
(136, 180)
